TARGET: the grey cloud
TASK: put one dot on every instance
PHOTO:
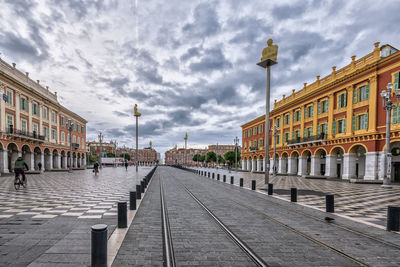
(289, 11)
(205, 21)
(191, 52)
(81, 57)
(213, 59)
(116, 83)
(120, 114)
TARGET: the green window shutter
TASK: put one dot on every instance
(344, 125)
(366, 120)
(339, 101)
(367, 91)
(293, 135)
(394, 117)
(299, 115)
(354, 124)
(306, 113)
(396, 80)
(355, 95)
(345, 99)
(312, 111)
(318, 130)
(334, 127)
(327, 104)
(319, 107)
(305, 132)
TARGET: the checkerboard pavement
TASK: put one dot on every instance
(366, 203)
(80, 194)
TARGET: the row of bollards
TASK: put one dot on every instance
(99, 231)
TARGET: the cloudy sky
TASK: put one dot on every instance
(189, 65)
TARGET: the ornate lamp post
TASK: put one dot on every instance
(185, 155)
(101, 136)
(388, 105)
(137, 115)
(70, 127)
(236, 140)
(269, 57)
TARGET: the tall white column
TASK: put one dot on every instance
(42, 161)
(50, 162)
(302, 168)
(331, 166)
(65, 162)
(75, 162)
(259, 162)
(271, 163)
(244, 165)
(32, 160)
(371, 165)
(280, 165)
(4, 161)
(84, 161)
(315, 166)
(381, 165)
(249, 165)
(349, 166)
(254, 165)
(292, 166)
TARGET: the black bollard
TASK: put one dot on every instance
(138, 192)
(122, 216)
(270, 189)
(241, 182)
(253, 184)
(224, 177)
(393, 218)
(231, 179)
(132, 200)
(330, 203)
(99, 245)
(293, 194)
(142, 186)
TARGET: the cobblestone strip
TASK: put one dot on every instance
(272, 241)
(142, 245)
(197, 239)
(372, 251)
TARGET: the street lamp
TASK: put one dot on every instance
(236, 140)
(185, 155)
(70, 127)
(388, 105)
(101, 148)
(115, 153)
(276, 129)
(269, 57)
(217, 155)
(137, 115)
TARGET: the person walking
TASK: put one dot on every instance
(39, 166)
(126, 165)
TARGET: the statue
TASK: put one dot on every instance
(150, 144)
(136, 113)
(270, 52)
(175, 147)
(186, 136)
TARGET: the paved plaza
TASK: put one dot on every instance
(365, 203)
(48, 223)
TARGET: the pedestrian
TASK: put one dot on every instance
(39, 166)
(126, 165)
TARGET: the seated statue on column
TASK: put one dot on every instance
(270, 52)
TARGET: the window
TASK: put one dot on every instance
(297, 134)
(46, 131)
(245, 145)
(396, 81)
(255, 130)
(278, 138)
(286, 119)
(360, 122)
(396, 115)
(361, 94)
(309, 112)
(35, 128)
(297, 116)
(286, 137)
(73, 139)
(342, 100)
(309, 131)
(45, 113)
(322, 129)
(10, 121)
(278, 122)
(23, 125)
(260, 128)
(23, 104)
(339, 126)
(323, 106)
(35, 110)
(10, 97)
(62, 121)
(53, 116)
(53, 134)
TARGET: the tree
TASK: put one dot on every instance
(110, 155)
(126, 156)
(211, 157)
(93, 158)
(230, 157)
(196, 158)
(202, 158)
(221, 160)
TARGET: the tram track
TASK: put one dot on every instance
(326, 245)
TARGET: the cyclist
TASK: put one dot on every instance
(19, 168)
(96, 168)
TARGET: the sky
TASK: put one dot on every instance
(189, 65)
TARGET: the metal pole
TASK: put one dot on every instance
(275, 132)
(101, 149)
(70, 146)
(217, 156)
(236, 153)
(266, 167)
(388, 107)
(137, 150)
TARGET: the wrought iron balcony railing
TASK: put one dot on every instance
(306, 139)
(75, 145)
(33, 135)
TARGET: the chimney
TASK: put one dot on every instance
(27, 74)
(38, 81)
(14, 65)
(305, 85)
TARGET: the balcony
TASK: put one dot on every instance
(75, 145)
(25, 134)
(308, 141)
(253, 149)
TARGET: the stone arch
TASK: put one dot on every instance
(56, 161)
(48, 159)
(353, 149)
(357, 159)
(294, 154)
(306, 161)
(334, 150)
(293, 165)
(79, 158)
(320, 151)
(28, 156)
(12, 155)
(63, 163)
(37, 151)
(336, 162)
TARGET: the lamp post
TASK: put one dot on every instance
(269, 57)
(388, 105)
(137, 115)
(217, 155)
(70, 126)
(275, 134)
(185, 155)
(101, 148)
(115, 153)
(236, 140)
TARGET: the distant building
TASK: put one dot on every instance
(182, 157)
(222, 149)
(95, 148)
(146, 156)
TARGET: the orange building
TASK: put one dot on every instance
(334, 127)
(33, 124)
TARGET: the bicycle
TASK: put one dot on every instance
(18, 182)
